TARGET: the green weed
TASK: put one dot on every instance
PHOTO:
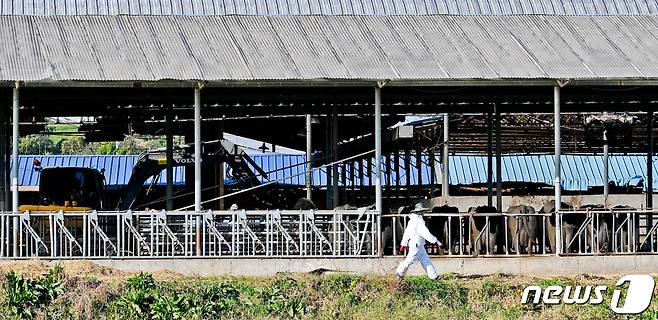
(24, 295)
(447, 293)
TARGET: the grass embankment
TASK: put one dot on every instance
(81, 290)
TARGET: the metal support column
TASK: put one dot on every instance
(14, 167)
(606, 184)
(329, 158)
(221, 174)
(378, 164)
(197, 148)
(4, 164)
(431, 155)
(7, 174)
(499, 175)
(419, 172)
(489, 160)
(649, 190)
(558, 188)
(14, 148)
(649, 160)
(309, 151)
(170, 159)
(334, 168)
(445, 178)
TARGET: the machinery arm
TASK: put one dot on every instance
(151, 163)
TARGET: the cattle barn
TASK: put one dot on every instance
(491, 113)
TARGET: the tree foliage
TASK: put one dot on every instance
(42, 144)
(36, 144)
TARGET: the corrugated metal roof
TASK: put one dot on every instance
(579, 172)
(327, 7)
(117, 168)
(131, 48)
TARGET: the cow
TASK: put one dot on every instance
(304, 204)
(388, 226)
(608, 225)
(618, 224)
(445, 228)
(601, 235)
(488, 241)
(524, 229)
(549, 208)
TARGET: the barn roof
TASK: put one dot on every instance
(321, 48)
(327, 7)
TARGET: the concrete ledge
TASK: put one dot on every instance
(536, 265)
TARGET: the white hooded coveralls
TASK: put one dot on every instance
(414, 238)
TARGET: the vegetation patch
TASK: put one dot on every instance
(86, 292)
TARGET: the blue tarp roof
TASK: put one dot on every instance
(579, 172)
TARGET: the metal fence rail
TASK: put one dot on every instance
(156, 234)
(584, 232)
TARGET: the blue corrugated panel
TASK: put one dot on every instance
(117, 168)
(579, 172)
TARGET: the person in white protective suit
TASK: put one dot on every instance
(414, 239)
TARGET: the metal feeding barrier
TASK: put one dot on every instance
(157, 234)
(584, 232)
(318, 233)
(612, 231)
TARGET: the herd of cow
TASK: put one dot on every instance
(522, 230)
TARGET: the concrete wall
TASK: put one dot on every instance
(535, 265)
(465, 202)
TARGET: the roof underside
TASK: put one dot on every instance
(357, 48)
(327, 7)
